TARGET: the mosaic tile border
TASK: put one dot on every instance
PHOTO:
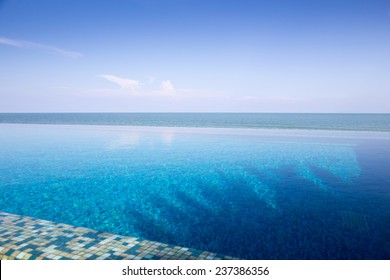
(27, 238)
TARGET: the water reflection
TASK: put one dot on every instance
(131, 139)
(127, 140)
(167, 135)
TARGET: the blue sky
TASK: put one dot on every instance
(195, 56)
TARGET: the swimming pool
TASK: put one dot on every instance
(247, 193)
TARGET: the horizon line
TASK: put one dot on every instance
(80, 112)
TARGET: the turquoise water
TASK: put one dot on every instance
(362, 122)
(248, 193)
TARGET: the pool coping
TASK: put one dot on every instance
(28, 238)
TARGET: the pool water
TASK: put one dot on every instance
(248, 193)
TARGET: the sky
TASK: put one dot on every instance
(195, 56)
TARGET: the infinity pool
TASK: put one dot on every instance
(247, 193)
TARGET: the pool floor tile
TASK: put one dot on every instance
(27, 238)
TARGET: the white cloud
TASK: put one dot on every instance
(32, 45)
(167, 88)
(126, 84)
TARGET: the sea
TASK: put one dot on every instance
(360, 122)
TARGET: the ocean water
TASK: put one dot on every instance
(248, 193)
(361, 122)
